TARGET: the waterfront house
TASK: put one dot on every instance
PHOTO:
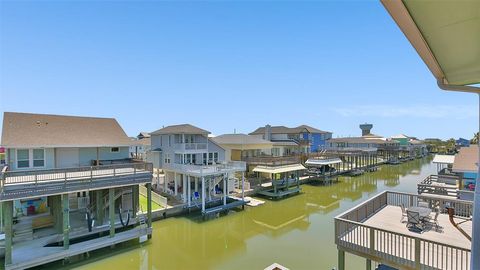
(195, 168)
(287, 141)
(279, 172)
(461, 142)
(69, 187)
(465, 166)
(141, 147)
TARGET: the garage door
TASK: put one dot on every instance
(67, 158)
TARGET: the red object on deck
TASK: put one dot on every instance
(30, 210)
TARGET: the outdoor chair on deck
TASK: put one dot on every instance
(414, 220)
(404, 212)
(434, 221)
(423, 204)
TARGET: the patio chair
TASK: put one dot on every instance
(434, 221)
(423, 204)
(414, 220)
(404, 212)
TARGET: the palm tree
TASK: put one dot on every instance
(475, 139)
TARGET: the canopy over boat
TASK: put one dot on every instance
(321, 162)
(444, 159)
(279, 169)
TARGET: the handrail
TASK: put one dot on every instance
(66, 174)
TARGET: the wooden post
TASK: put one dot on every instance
(149, 206)
(135, 200)
(98, 161)
(225, 187)
(341, 260)
(189, 191)
(99, 213)
(66, 221)
(8, 217)
(243, 186)
(111, 210)
(203, 194)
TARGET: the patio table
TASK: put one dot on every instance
(422, 211)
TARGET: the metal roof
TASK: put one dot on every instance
(444, 159)
(287, 130)
(279, 169)
(321, 162)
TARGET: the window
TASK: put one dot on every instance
(23, 158)
(114, 149)
(38, 158)
(167, 158)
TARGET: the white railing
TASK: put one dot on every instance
(199, 170)
(190, 146)
(383, 245)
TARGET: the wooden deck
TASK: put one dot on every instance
(27, 184)
(389, 217)
(373, 230)
(34, 253)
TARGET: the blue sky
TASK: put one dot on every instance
(224, 66)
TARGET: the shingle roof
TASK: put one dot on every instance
(287, 130)
(241, 139)
(45, 130)
(180, 129)
(466, 160)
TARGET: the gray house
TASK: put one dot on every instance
(60, 170)
(195, 168)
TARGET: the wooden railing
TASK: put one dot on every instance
(398, 249)
(43, 182)
(433, 184)
(200, 169)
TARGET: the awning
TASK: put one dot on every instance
(444, 159)
(279, 169)
(446, 36)
(321, 162)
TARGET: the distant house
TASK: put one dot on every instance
(286, 141)
(465, 165)
(461, 142)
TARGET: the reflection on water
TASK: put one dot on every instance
(296, 232)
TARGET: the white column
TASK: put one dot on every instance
(189, 192)
(203, 193)
(243, 186)
(225, 191)
(196, 184)
(184, 188)
(175, 188)
(165, 180)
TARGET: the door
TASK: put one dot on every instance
(67, 158)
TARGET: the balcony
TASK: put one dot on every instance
(373, 230)
(204, 170)
(190, 147)
(34, 183)
(445, 185)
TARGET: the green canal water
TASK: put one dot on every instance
(297, 232)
